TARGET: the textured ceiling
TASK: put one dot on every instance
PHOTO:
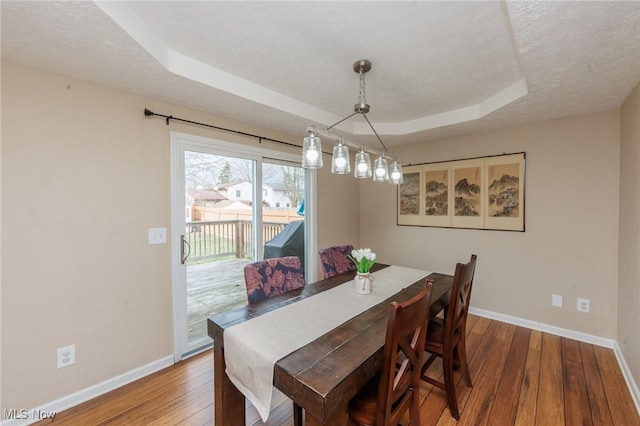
(439, 68)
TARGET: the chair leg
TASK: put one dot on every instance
(297, 415)
(462, 353)
(447, 363)
(414, 411)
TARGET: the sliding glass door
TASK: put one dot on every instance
(217, 240)
(230, 206)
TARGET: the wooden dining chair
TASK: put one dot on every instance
(271, 277)
(446, 338)
(396, 390)
(334, 260)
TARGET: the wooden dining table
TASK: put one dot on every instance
(324, 375)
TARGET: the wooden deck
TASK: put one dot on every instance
(213, 288)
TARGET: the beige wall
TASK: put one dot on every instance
(337, 208)
(84, 175)
(629, 266)
(570, 246)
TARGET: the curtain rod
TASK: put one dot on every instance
(149, 113)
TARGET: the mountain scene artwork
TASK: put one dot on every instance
(472, 193)
(467, 191)
(409, 194)
(436, 193)
(504, 190)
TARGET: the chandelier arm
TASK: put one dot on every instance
(352, 144)
(344, 119)
(376, 133)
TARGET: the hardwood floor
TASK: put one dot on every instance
(521, 377)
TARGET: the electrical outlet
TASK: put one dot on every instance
(584, 305)
(66, 356)
(157, 235)
(556, 300)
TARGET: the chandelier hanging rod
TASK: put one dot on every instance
(355, 145)
(368, 122)
(344, 119)
(375, 133)
(362, 67)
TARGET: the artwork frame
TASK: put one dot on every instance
(409, 195)
(475, 193)
(505, 183)
(436, 200)
(468, 190)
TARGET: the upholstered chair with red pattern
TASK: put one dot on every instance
(271, 277)
(334, 260)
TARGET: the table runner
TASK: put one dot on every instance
(253, 347)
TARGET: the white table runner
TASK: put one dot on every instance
(253, 347)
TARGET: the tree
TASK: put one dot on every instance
(294, 184)
(201, 170)
(225, 173)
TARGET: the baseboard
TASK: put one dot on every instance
(29, 416)
(534, 325)
(626, 373)
(575, 335)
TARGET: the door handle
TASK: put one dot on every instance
(184, 256)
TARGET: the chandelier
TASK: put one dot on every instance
(340, 160)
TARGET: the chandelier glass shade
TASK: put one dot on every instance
(312, 151)
(340, 162)
(362, 164)
(381, 170)
(395, 176)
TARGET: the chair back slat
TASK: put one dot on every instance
(458, 308)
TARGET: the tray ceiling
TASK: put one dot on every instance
(439, 68)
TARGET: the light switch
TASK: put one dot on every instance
(157, 235)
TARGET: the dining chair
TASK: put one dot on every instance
(334, 260)
(388, 396)
(446, 337)
(271, 277)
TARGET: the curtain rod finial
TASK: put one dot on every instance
(147, 112)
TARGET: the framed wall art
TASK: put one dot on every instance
(409, 196)
(505, 193)
(468, 194)
(436, 201)
(478, 193)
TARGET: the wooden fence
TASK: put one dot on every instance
(213, 239)
(213, 214)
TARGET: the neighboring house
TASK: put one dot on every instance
(242, 190)
(281, 199)
(271, 197)
(201, 197)
(205, 197)
(233, 205)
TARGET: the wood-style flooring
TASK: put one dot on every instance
(521, 377)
